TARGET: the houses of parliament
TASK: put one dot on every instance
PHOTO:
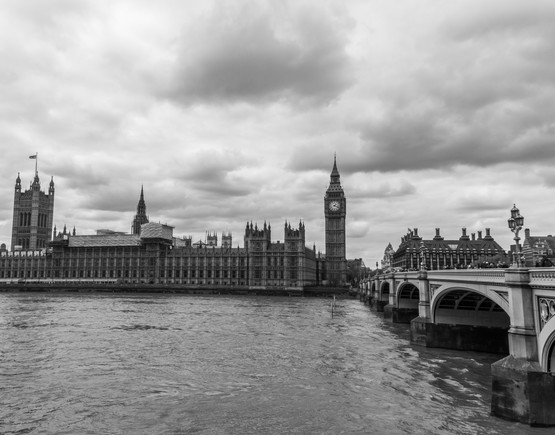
(150, 254)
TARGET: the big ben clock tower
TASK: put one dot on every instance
(335, 210)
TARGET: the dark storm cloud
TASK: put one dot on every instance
(92, 174)
(480, 98)
(262, 51)
(416, 143)
(382, 190)
(222, 186)
(491, 199)
(499, 17)
(217, 172)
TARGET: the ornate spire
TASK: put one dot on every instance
(334, 177)
(334, 171)
(141, 217)
(141, 206)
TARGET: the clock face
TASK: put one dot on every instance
(334, 206)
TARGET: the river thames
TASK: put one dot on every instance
(176, 364)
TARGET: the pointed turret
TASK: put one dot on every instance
(36, 182)
(140, 218)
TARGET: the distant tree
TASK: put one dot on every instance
(355, 271)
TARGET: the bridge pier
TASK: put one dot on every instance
(521, 389)
(388, 298)
(399, 315)
(460, 337)
(452, 336)
(391, 306)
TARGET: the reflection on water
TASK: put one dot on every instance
(231, 365)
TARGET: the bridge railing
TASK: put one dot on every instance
(465, 275)
(461, 275)
(542, 276)
(539, 277)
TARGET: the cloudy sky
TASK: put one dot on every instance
(442, 114)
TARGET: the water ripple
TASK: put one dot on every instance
(175, 364)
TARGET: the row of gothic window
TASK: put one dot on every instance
(25, 219)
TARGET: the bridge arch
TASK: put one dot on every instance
(384, 291)
(546, 337)
(469, 306)
(408, 295)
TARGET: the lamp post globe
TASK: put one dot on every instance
(515, 223)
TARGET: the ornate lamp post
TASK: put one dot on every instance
(515, 224)
(422, 255)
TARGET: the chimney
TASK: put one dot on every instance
(473, 236)
(479, 235)
(415, 231)
(464, 236)
(438, 235)
(527, 233)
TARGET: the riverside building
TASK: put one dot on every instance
(438, 253)
(33, 213)
(151, 254)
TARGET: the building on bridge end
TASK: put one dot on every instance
(538, 251)
(438, 253)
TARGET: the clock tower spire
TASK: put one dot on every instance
(335, 211)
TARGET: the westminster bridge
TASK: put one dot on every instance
(507, 311)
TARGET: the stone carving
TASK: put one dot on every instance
(546, 310)
(433, 288)
(503, 295)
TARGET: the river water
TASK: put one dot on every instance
(177, 364)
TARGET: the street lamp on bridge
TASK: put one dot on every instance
(516, 223)
(422, 255)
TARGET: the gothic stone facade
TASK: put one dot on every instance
(153, 257)
(150, 254)
(335, 212)
(33, 212)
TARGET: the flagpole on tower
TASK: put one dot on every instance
(36, 159)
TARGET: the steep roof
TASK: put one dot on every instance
(533, 241)
(412, 242)
(104, 240)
